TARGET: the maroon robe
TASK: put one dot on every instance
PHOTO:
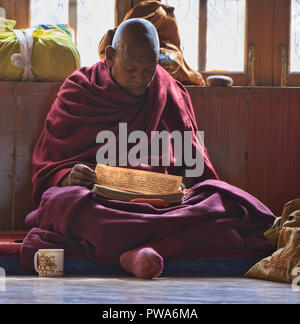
(88, 102)
(213, 214)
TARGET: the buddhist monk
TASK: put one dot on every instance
(128, 86)
(131, 61)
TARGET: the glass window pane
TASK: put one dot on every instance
(187, 16)
(295, 37)
(95, 17)
(2, 12)
(225, 35)
(49, 12)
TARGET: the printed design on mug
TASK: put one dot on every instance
(46, 263)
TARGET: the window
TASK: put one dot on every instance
(225, 35)
(2, 12)
(295, 37)
(223, 47)
(187, 16)
(256, 42)
(90, 20)
(49, 12)
(94, 18)
(287, 40)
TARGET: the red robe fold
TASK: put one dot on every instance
(214, 214)
(214, 217)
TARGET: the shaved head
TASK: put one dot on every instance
(138, 34)
(133, 55)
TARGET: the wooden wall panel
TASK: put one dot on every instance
(33, 103)
(7, 101)
(274, 156)
(23, 108)
(222, 114)
(261, 124)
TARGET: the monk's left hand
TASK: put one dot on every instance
(80, 175)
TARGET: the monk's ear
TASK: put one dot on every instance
(109, 54)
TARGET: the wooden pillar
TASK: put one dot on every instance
(260, 34)
(18, 10)
(134, 2)
(122, 6)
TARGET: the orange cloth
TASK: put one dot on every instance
(171, 56)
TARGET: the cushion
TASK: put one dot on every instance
(284, 264)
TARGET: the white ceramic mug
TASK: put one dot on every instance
(49, 262)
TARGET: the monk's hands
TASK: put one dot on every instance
(80, 175)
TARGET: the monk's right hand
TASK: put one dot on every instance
(80, 175)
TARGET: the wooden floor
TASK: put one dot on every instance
(129, 290)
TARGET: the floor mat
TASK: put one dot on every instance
(194, 262)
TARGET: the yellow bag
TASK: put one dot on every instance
(42, 53)
(283, 263)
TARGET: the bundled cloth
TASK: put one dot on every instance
(42, 53)
(171, 56)
(284, 264)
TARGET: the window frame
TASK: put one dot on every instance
(19, 10)
(240, 77)
(268, 24)
(267, 39)
(283, 76)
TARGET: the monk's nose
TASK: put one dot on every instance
(139, 78)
